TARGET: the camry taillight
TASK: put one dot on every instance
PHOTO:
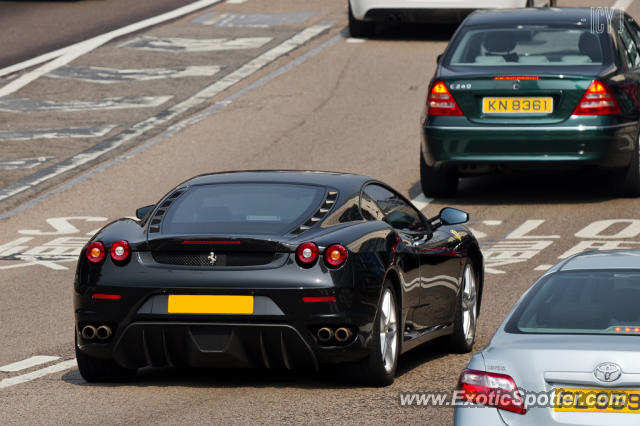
(440, 101)
(335, 255)
(95, 252)
(307, 254)
(120, 251)
(491, 389)
(597, 100)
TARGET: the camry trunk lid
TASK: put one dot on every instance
(545, 363)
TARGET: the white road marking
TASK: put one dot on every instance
(235, 1)
(28, 363)
(71, 132)
(622, 4)
(253, 20)
(543, 267)
(62, 225)
(421, 201)
(37, 105)
(22, 163)
(56, 368)
(492, 222)
(522, 231)
(182, 45)
(171, 113)
(65, 55)
(355, 40)
(112, 75)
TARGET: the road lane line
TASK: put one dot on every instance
(65, 55)
(37, 105)
(421, 201)
(169, 114)
(186, 45)
(113, 75)
(622, 4)
(22, 163)
(24, 378)
(28, 363)
(71, 132)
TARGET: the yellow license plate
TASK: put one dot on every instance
(542, 105)
(597, 400)
(209, 304)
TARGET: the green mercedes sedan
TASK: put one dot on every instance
(534, 87)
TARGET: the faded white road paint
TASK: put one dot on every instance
(24, 378)
(28, 363)
(112, 75)
(252, 20)
(622, 4)
(421, 201)
(37, 105)
(171, 113)
(185, 45)
(71, 132)
(22, 163)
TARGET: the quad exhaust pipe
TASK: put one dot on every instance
(325, 334)
(103, 332)
(90, 332)
(343, 334)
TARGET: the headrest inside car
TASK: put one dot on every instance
(499, 42)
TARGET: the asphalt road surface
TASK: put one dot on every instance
(292, 91)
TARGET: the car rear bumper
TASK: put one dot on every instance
(282, 332)
(425, 10)
(609, 145)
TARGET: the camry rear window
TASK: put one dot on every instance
(593, 302)
(523, 45)
(242, 208)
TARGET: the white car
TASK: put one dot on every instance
(363, 14)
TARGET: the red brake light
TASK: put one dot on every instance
(311, 299)
(106, 296)
(491, 389)
(95, 252)
(120, 251)
(516, 77)
(440, 101)
(335, 255)
(597, 100)
(307, 253)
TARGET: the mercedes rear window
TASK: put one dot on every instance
(527, 46)
(581, 302)
(242, 208)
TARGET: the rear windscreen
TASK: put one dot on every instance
(594, 302)
(525, 45)
(242, 208)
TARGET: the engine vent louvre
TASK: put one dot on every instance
(157, 217)
(328, 204)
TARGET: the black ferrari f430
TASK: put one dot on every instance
(275, 269)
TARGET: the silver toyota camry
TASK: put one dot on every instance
(568, 353)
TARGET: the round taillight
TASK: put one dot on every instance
(95, 252)
(335, 255)
(307, 253)
(120, 251)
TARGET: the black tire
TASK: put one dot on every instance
(437, 181)
(460, 341)
(631, 176)
(553, 3)
(360, 29)
(371, 370)
(101, 370)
